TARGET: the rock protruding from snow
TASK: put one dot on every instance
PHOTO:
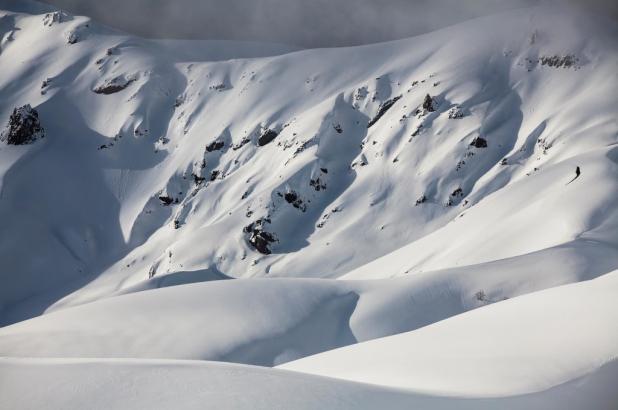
(479, 142)
(114, 85)
(260, 239)
(455, 113)
(167, 200)
(292, 198)
(56, 17)
(267, 137)
(428, 104)
(384, 107)
(566, 61)
(24, 127)
(215, 146)
(77, 34)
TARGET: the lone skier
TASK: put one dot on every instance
(577, 174)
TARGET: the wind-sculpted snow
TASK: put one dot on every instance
(215, 200)
(523, 345)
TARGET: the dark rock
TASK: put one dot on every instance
(338, 128)
(417, 131)
(479, 142)
(457, 193)
(259, 238)
(317, 184)
(242, 143)
(215, 146)
(428, 104)
(292, 198)
(421, 200)
(267, 136)
(214, 174)
(198, 179)
(23, 127)
(559, 61)
(166, 200)
(384, 107)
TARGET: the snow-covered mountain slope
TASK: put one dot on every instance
(220, 200)
(144, 124)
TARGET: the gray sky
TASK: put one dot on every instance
(305, 23)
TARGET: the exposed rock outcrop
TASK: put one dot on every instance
(384, 107)
(215, 146)
(479, 142)
(267, 137)
(455, 113)
(291, 197)
(114, 85)
(23, 127)
(56, 17)
(260, 239)
(566, 61)
(429, 104)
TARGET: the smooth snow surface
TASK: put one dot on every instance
(157, 384)
(190, 203)
(519, 346)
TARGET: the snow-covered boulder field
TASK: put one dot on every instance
(425, 223)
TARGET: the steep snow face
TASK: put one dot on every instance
(161, 157)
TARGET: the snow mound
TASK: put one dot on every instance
(527, 344)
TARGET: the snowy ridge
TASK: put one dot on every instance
(175, 177)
